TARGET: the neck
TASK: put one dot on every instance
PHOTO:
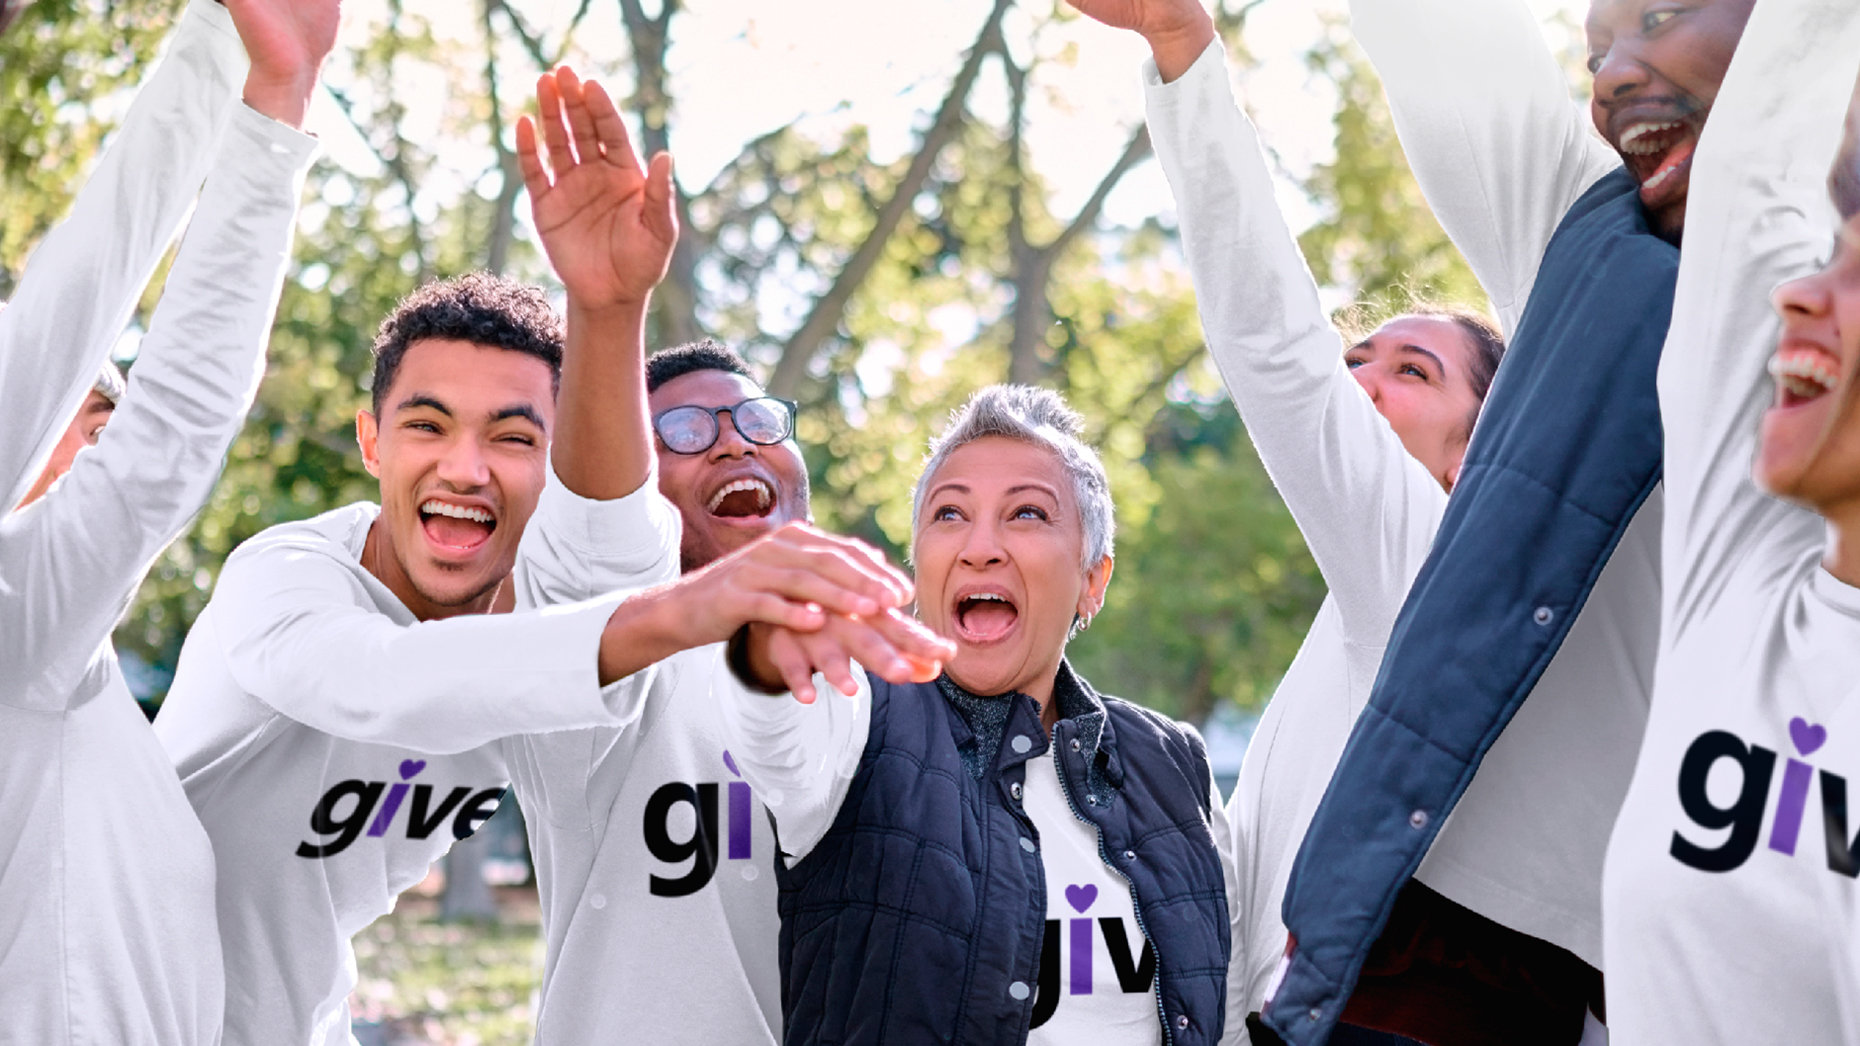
(378, 559)
(1843, 555)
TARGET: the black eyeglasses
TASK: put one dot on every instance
(763, 420)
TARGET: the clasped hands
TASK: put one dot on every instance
(801, 602)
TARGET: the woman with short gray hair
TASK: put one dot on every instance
(1001, 854)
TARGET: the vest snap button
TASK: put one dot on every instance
(1315, 1014)
(1075, 744)
(1014, 790)
(1543, 615)
(1130, 855)
(1026, 844)
(1018, 991)
(1182, 1022)
(1418, 819)
(1021, 743)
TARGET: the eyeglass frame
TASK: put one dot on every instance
(716, 423)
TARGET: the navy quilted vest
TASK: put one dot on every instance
(920, 916)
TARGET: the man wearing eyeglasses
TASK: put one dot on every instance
(727, 456)
(653, 856)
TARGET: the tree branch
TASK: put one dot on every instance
(827, 311)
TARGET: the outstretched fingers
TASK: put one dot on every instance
(606, 127)
(580, 121)
(554, 125)
(535, 178)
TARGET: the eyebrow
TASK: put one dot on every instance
(1424, 352)
(421, 399)
(515, 410)
(1041, 487)
(521, 410)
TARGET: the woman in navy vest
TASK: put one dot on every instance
(1001, 855)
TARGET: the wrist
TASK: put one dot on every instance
(741, 655)
(625, 309)
(1175, 48)
(284, 98)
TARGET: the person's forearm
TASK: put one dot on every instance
(602, 446)
(83, 281)
(1497, 145)
(643, 631)
(1367, 509)
(294, 639)
(1757, 215)
(76, 555)
(576, 548)
(1176, 47)
(800, 758)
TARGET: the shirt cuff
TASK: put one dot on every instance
(1211, 62)
(286, 150)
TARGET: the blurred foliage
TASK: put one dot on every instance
(57, 60)
(1213, 589)
(464, 984)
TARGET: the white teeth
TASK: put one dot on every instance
(1804, 374)
(989, 596)
(763, 494)
(1630, 138)
(440, 508)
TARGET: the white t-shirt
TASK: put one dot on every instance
(1501, 152)
(1367, 508)
(654, 858)
(107, 925)
(334, 747)
(1730, 882)
(1097, 971)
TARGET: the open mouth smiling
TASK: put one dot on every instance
(1658, 153)
(1803, 375)
(456, 528)
(748, 498)
(984, 615)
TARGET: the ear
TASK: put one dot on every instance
(1453, 475)
(368, 436)
(1097, 579)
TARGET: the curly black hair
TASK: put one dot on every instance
(478, 307)
(680, 360)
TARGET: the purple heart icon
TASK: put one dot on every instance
(409, 767)
(1807, 737)
(1080, 897)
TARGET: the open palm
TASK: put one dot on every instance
(608, 224)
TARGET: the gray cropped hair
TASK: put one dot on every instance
(1041, 417)
(110, 383)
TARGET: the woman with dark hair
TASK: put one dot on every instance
(1730, 885)
(1363, 438)
(1001, 855)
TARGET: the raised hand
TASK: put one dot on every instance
(1177, 30)
(286, 41)
(608, 224)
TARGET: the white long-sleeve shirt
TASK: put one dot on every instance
(1727, 919)
(107, 926)
(334, 747)
(653, 855)
(1367, 508)
(1501, 152)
